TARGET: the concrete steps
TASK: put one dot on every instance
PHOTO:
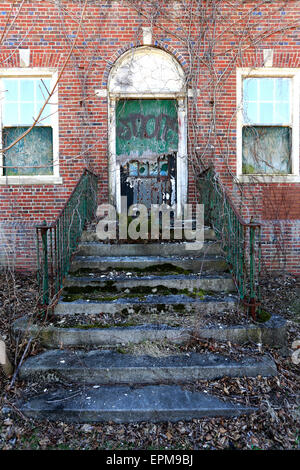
(90, 235)
(125, 404)
(271, 333)
(145, 304)
(117, 296)
(111, 367)
(153, 264)
(213, 282)
(85, 336)
(146, 249)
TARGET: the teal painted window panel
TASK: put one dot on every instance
(267, 150)
(35, 150)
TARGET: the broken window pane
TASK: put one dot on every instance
(143, 169)
(133, 169)
(266, 150)
(153, 169)
(163, 168)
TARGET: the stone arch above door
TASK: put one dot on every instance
(146, 70)
(147, 73)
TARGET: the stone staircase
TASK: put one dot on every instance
(117, 299)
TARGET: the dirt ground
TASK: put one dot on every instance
(275, 426)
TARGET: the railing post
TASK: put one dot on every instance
(85, 199)
(38, 258)
(58, 248)
(252, 272)
(239, 241)
(44, 233)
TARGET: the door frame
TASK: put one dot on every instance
(114, 181)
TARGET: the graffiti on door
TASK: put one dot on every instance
(146, 146)
(146, 129)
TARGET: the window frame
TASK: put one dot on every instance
(34, 72)
(265, 72)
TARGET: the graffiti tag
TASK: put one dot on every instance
(146, 127)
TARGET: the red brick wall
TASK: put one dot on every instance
(110, 28)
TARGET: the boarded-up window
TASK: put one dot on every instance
(23, 99)
(35, 149)
(267, 126)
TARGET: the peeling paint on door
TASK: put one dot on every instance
(146, 146)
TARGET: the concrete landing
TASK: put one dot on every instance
(123, 404)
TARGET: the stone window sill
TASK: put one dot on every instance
(23, 180)
(268, 178)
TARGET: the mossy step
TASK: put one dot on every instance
(114, 283)
(109, 293)
(150, 264)
(272, 333)
(147, 303)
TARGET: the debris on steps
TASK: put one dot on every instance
(119, 295)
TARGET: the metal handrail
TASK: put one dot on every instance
(57, 241)
(240, 240)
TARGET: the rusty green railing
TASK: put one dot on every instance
(57, 242)
(240, 241)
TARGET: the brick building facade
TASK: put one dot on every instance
(230, 68)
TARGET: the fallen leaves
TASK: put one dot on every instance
(274, 426)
